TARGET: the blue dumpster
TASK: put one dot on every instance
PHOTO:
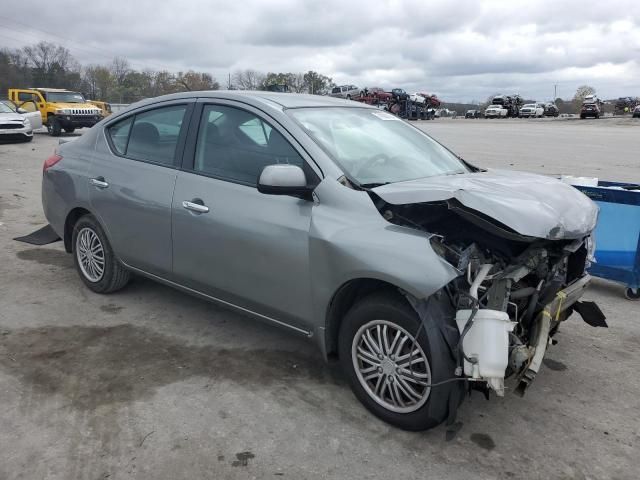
(617, 233)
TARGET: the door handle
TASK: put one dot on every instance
(195, 207)
(99, 182)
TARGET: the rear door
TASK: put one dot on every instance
(131, 181)
(229, 240)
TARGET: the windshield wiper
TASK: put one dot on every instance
(373, 185)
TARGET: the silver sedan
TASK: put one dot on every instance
(422, 274)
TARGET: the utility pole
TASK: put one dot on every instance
(555, 91)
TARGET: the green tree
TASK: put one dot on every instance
(317, 83)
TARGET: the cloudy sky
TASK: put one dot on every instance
(462, 50)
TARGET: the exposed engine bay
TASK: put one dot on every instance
(513, 291)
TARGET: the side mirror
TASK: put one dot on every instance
(21, 110)
(284, 179)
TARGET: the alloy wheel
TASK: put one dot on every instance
(90, 253)
(391, 366)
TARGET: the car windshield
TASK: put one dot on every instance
(495, 106)
(529, 105)
(65, 97)
(5, 108)
(374, 147)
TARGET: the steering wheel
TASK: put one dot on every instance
(378, 159)
(371, 161)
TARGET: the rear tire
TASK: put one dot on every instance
(94, 259)
(395, 394)
(70, 129)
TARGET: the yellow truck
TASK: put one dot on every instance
(103, 106)
(60, 109)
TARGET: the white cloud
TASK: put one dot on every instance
(462, 50)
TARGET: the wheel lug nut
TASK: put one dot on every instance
(380, 356)
(390, 378)
(391, 357)
(379, 369)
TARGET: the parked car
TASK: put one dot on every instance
(60, 109)
(34, 116)
(533, 110)
(380, 93)
(418, 98)
(551, 110)
(399, 94)
(14, 126)
(496, 111)
(636, 112)
(472, 114)
(338, 222)
(432, 100)
(590, 110)
(345, 91)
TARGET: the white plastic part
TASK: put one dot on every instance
(488, 342)
(482, 274)
(581, 181)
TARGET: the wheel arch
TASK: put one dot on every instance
(343, 299)
(72, 218)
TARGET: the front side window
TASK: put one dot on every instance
(236, 145)
(374, 147)
(150, 136)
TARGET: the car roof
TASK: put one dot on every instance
(261, 98)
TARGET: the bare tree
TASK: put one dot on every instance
(196, 81)
(583, 91)
(49, 63)
(45, 56)
(119, 69)
(248, 79)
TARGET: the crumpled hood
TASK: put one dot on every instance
(532, 205)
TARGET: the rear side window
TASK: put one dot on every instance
(119, 134)
(151, 136)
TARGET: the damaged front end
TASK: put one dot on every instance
(513, 291)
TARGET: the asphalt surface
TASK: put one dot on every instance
(150, 383)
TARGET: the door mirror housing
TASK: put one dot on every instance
(21, 110)
(284, 179)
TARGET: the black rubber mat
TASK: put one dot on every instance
(43, 236)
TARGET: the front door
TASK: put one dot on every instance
(229, 240)
(131, 180)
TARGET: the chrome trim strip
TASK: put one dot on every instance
(217, 300)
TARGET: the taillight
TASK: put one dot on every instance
(51, 161)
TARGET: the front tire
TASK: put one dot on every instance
(53, 127)
(632, 293)
(94, 259)
(70, 129)
(391, 361)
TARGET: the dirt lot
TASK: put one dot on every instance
(150, 383)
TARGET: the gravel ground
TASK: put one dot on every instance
(150, 383)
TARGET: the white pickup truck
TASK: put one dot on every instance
(533, 110)
(496, 111)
